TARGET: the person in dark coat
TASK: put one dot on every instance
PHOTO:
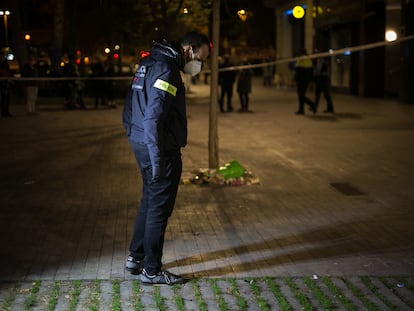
(30, 87)
(226, 81)
(303, 77)
(5, 86)
(70, 70)
(155, 121)
(244, 87)
(98, 86)
(322, 84)
(109, 84)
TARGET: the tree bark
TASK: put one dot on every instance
(213, 130)
(57, 41)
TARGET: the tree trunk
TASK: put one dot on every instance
(56, 48)
(16, 41)
(213, 131)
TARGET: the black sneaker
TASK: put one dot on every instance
(161, 278)
(134, 266)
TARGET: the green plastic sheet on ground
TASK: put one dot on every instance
(231, 173)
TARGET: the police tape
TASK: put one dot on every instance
(330, 53)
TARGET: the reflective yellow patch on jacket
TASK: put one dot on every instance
(165, 86)
(304, 63)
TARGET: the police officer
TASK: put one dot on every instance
(303, 77)
(155, 120)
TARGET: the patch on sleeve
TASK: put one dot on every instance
(165, 86)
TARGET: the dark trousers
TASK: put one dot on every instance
(303, 99)
(244, 101)
(156, 206)
(322, 87)
(226, 90)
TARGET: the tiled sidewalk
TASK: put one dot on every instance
(279, 293)
(69, 190)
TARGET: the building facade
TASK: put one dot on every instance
(334, 24)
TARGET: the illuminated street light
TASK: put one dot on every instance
(5, 14)
(242, 14)
(390, 35)
(185, 10)
(298, 12)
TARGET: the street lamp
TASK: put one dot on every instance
(298, 12)
(5, 14)
(391, 35)
(242, 14)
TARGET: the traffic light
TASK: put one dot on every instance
(27, 39)
(117, 52)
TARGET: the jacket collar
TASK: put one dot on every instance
(164, 50)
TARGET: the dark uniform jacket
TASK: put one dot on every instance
(154, 112)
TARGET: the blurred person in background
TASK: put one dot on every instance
(226, 81)
(322, 84)
(244, 87)
(303, 77)
(98, 86)
(5, 86)
(267, 73)
(30, 87)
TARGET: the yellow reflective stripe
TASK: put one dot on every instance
(304, 63)
(165, 86)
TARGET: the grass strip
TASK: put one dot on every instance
(301, 297)
(6, 305)
(281, 300)
(200, 301)
(397, 293)
(217, 294)
(159, 300)
(338, 294)
(403, 281)
(136, 296)
(256, 291)
(360, 295)
(31, 300)
(241, 302)
(178, 299)
(54, 295)
(324, 300)
(74, 298)
(116, 296)
(368, 283)
(95, 295)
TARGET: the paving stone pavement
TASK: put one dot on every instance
(69, 189)
(298, 293)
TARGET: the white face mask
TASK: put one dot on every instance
(193, 67)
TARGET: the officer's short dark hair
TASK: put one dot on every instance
(196, 40)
